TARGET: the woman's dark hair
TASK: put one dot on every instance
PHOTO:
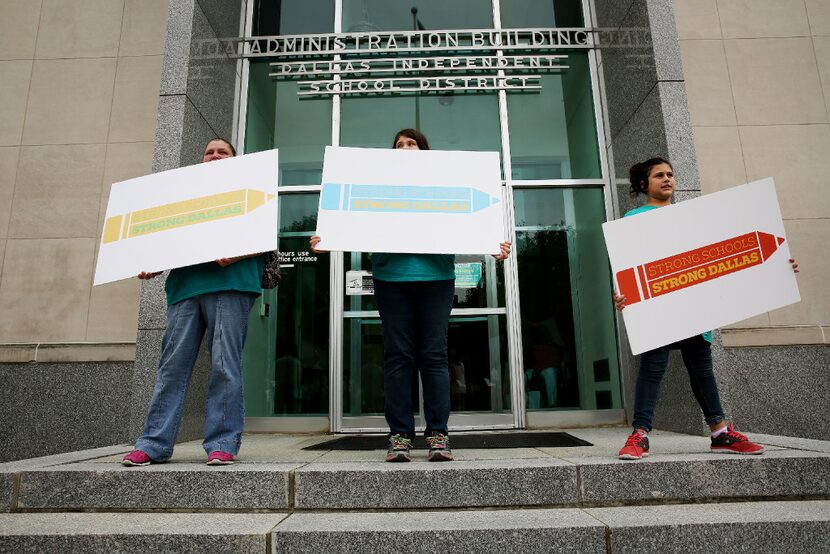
(638, 174)
(415, 135)
(226, 141)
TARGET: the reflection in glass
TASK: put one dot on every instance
(450, 122)
(298, 214)
(302, 349)
(553, 133)
(293, 17)
(285, 363)
(363, 368)
(568, 331)
(479, 372)
(383, 15)
(276, 118)
(534, 14)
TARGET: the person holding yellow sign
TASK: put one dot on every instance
(215, 297)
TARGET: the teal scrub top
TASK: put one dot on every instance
(193, 280)
(413, 267)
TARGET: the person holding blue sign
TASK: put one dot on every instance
(655, 178)
(414, 294)
(215, 297)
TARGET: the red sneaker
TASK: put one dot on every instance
(136, 458)
(732, 442)
(636, 447)
(220, 458)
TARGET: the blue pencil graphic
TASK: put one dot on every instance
(408, 198)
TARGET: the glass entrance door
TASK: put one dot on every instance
(532, 342)
(480, 383)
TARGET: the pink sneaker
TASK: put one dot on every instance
(220, 458)
(136, 458)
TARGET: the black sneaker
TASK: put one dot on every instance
(399, 447)
(439, 448)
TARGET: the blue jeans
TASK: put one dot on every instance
(225, 317)
(697, 357)
(415, 317)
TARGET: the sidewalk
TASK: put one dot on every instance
(607, 441)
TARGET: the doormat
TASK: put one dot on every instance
(460, 441)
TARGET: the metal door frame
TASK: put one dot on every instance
(467, 420)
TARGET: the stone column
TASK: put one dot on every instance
(196, 104)
(647, 113)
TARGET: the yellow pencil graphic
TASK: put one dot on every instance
(184, 213)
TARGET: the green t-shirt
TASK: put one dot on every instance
(193, 280)
(708, 334)
(413, 267)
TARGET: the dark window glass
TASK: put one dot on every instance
(293, 17)
(383, 15)
(479, 370)
(553, 132)
(526, 14)
(568, 329)
(458, 122)
(286, 355)
(277, 118)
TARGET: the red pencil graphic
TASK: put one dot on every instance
(696, 266)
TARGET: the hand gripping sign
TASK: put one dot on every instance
(429, 202)
(701, 264)
(190, 215)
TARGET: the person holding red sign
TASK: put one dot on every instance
(655, 178)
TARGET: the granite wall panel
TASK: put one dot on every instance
(49, 408)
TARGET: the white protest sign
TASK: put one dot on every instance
(189, 215)
(413, 201)
(701, 264)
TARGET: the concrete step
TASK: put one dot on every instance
(10, 471)
(557, 482)
(130, 532)
(545, 481)
(705, 528)
(785, 526)
(179, 486)
(796, 526)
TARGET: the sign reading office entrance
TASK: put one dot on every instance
(410, 201)
(701, 264)
(190, 215)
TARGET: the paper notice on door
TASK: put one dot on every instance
(359, 283)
